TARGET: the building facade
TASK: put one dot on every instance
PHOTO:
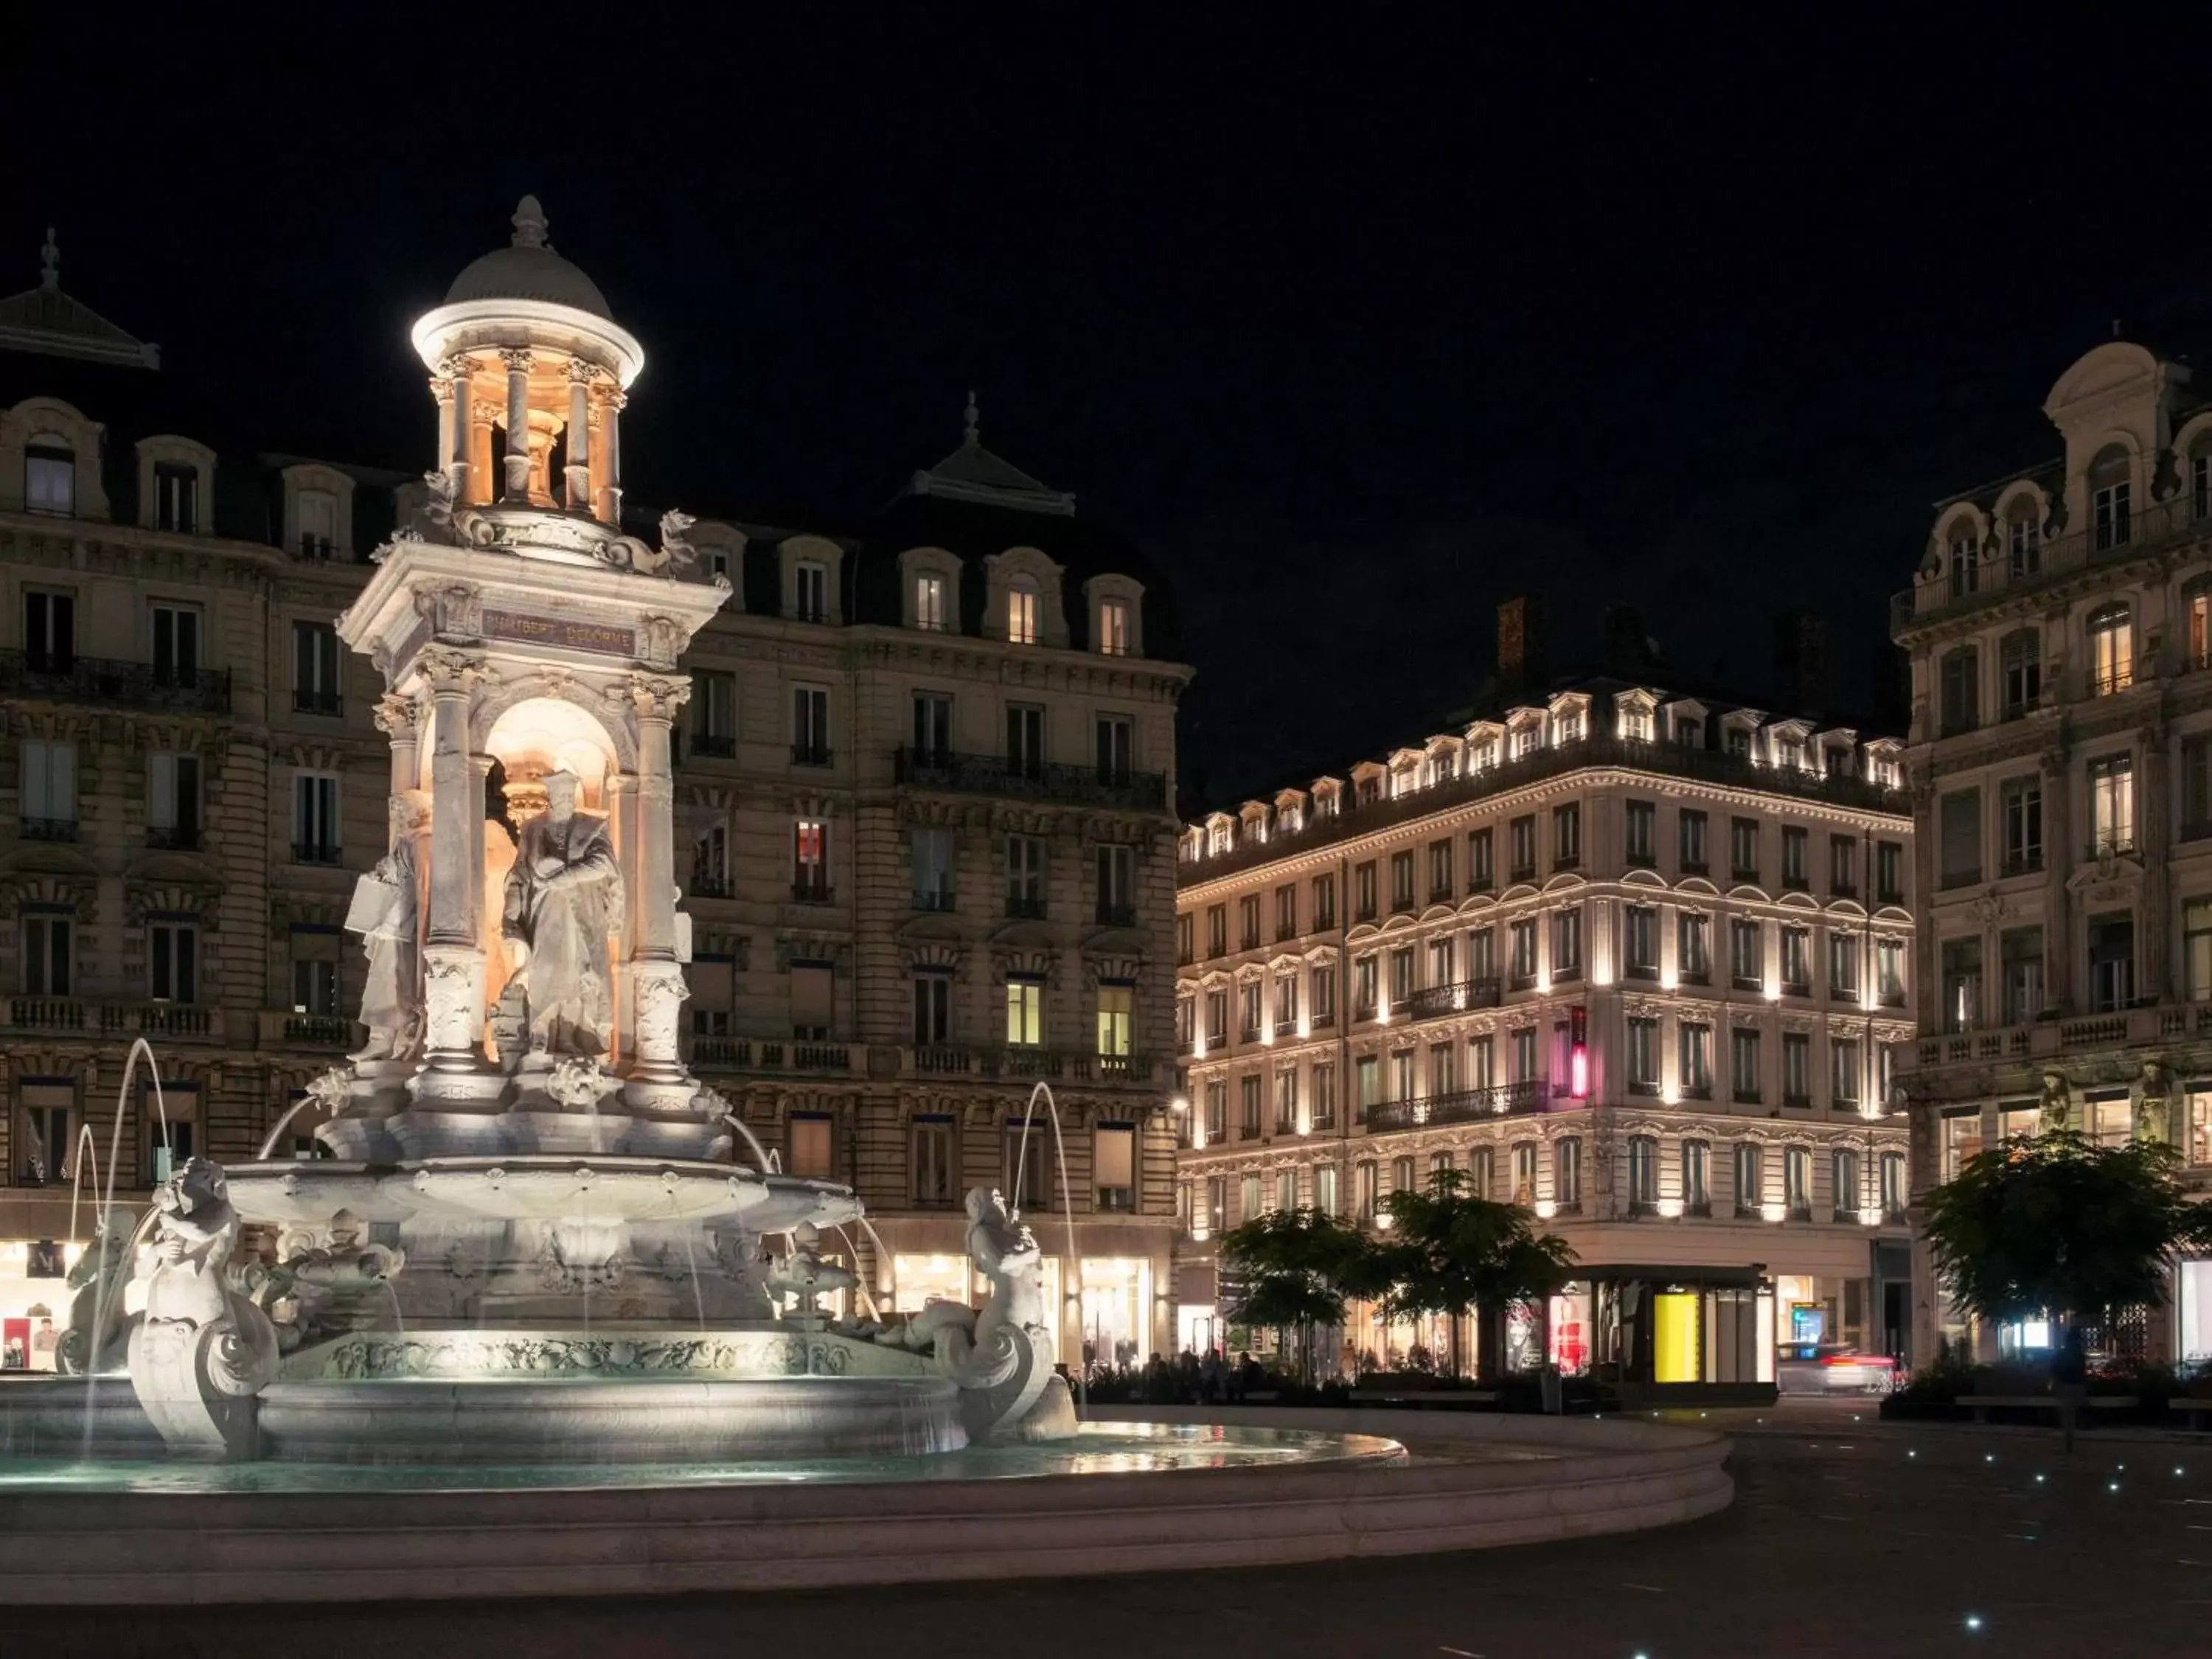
(923, 797)
(2060, 632)
(1635, 958)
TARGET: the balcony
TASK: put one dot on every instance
(102, 680)
(770, 1054)
(715, 745)
(1116, 916)
(1464, 1106)
(1018, 1064)
(283, 1028)
(811, 754)
(1955, 592)
(316, 852)
(112, 1019)
(1287, 1030)
(2039, 1039)
(995, 774)
(812, 892)
(938, 901)
(2021, 864)
(174, 837)
(46, 828)
(1432, 1001)
(304, 702)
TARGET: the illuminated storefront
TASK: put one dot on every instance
(34, 1297)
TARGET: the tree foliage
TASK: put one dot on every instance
(1447, 1250)
(2060, 1225)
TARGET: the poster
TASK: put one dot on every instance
(15, 1345)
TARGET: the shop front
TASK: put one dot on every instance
(35, 1299)
(1659, 1336)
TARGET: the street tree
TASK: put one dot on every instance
(1446, 1251)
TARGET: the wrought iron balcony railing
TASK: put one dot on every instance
(1463, 1106)
(998, 774)
(1431, 1001)
(104, 679)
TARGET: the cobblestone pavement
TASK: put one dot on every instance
(1847, 1539)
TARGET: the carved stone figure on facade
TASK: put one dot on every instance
(438, 499)
(676, 546)
(2153, 1103)
(387, 912)
(564, 896)
(2058, 1111)
(200, 1352)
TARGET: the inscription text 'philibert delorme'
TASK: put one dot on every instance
(550, 630)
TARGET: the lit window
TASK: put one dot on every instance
(1113, 628)
(929, 602)
(2111, 650)
(2112, 803)
(1024, 1012)
(1022, 612)
(1117, 1005)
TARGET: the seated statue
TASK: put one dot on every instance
(564, 896)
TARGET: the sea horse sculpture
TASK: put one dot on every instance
(199, 1351)
(92, 1340)
(1001, 1356)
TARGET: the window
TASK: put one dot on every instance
(809, 870)
(1960, 821)
(1640, 941)
(176, 644)
(713, 713)
(1567, 1173)
(1842, 965)
(173, 961)
(810, 591)
(2111, 650)
(1286, 1189)
(1567, 836)
(1693, 948)
(1796, 962)
(1750, 1179)
(1324, 903)
(1114, 745)
(49, 476)
(1481, 954)
(1695, 1059)
(1324, 1096)
(1401, 881)
(173, 805)
(1286, 1100)
(1440, 961)
(1481, 874)
(1697, 1178)
(1794, 874)
(1247, 1107)
(2024, 541)
(1642, 820)
(810, 725)
(1739, 743)
(932, 1008)
(1524, 1172)
(1643, 1174)
(1959, 673)
(1248, 1198)
(1843, 1071)
(934, 1175)
(1287, 912)
(47, 790)
(1325, 1188)
(1743, 1066)
(2196, 948)
(1893, 1186)
(2020, 955)
(50, 632)
(933, 728)
(1567, 943)
(2023, 672)
(1747, 954)
(929, 606)
(1217, 1110)
(1689, 732)
(1440, 872)
(1365, 905)
(1186, 938)
(1643, 1055)
(2112, 804)
(2111, 518)
(1116, 1012)
(1523, 830)
(1322, 993)
(1964, 560)
(317, 511)
(2111, 962)
(315, 827)
(1443, 1079)
(1889, 872)
(1842, 867)
(2195, 787)
(45, 960)
(314, 973)
(1114, 627)
(1962, 963)
(176, 496)
(931, 862)
(1216, 928)
(1401, 976)
(1365, 987)
(1248, 922)
(1524, 933)
(1025, 879)
(1022, 610)
(2198, 607)
(1524, 1057)
(1797, 1183)
(1743, 848)
(1024, 1010)
(1482, 1063)
(2023, 825)
(1797, 1068)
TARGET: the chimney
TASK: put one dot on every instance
(1627, 652)
(1801, 663)
(1521, 644)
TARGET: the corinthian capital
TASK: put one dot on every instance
(516, 356)
(653, 696)
(446, 670)
(397, 716)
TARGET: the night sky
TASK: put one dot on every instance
(1358, 318)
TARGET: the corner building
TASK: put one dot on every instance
(1633, 957)
(2060, 631)
(921, 805)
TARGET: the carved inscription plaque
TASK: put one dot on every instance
(551, 631)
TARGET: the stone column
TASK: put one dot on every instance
(448, 393)
(453, 965)
(517, 359)
(612, 407)
(659, 1086)
(578, 495)
(2059, 833)
(482, 415)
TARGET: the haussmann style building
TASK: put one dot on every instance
(923, 806)
(1634, 957)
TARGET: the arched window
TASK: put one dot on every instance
(2023, 530)
(1962, 556)
(2110, 499)
(49, 475)
(1022, 610)
(2112, 649)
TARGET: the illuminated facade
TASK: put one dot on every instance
(921, 798)
(1632, 957)
(2060, 631)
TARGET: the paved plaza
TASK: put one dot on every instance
(1847, 1538)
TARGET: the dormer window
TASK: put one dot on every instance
(1965, 559)
(1690, 733)
(2111, 503)
(1022, 612)
(810, 591)
(1566, 726)
(176, 496)
(319, 524)
(2024, 540)
(1739, 742)
(1114, 627)
(929, 609)
(1636, 723)
(50, 476)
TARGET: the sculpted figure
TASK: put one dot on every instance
(564, 896)
(1006, 1253)
(386, 912)
(2153, 1114)
(96, 1309)
(806, 1277)
(1000, 1356)
(2057, 1103)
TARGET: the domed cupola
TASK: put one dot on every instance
(526, 359)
